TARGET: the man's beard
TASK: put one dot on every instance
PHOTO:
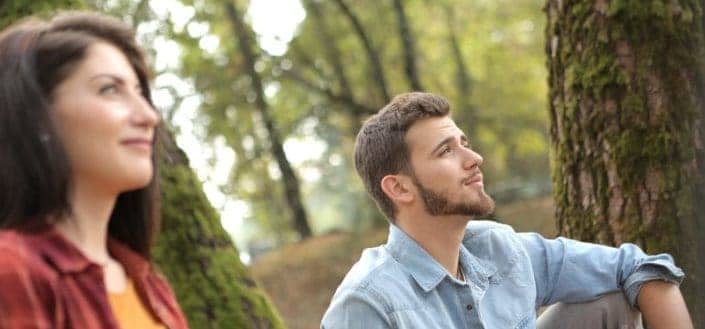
(437, 203)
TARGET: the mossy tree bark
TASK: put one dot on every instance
(627, 118)
(198, 257)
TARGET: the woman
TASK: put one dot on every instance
(78, 194)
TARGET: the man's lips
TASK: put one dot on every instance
(474, 179)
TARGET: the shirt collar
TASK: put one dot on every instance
(58, 251)
(425, 270)
(67, 258)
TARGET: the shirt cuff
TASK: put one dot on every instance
(657, 267)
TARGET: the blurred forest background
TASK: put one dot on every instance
(265, 98)
(286, 114)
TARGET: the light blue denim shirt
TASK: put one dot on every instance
(508, 276)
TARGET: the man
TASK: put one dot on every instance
(440, 268)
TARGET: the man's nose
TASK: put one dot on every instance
(473, 159)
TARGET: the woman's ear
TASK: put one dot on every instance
(396, 187)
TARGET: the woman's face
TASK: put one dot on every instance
(105, 123)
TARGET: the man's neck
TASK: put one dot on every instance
(440, 236)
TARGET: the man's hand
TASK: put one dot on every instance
(662, 306)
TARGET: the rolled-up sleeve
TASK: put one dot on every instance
(657, 267)
(571, 271)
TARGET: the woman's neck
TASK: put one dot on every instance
(87, 224)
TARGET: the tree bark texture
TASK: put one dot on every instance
(291, 182)
(213, 287)
(627, 116)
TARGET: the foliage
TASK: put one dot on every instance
(11, 10)
(313, 98)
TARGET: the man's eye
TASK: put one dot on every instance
(445, 150)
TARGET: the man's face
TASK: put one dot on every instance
(445, 170)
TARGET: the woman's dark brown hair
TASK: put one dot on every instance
(35, 176)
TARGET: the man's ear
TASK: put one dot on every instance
(396, 187)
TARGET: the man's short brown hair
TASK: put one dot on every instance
(380, 146)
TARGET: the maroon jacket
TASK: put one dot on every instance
(46, 282)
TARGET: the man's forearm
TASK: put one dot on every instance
(662, 306)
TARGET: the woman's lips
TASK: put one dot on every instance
(139, 143)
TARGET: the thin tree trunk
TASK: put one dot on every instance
(407, 39)
(331, 48)
(291, 182)
(463, 81)
(370, 52)
(627, 131)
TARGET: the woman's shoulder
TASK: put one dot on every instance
(13, 247)
(20, 255)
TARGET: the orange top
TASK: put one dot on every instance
(129, 310)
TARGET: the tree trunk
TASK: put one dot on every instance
(407, 40)
(627, 129)
(372, 54)
(328, 42)
(291, 182)
(198, 257)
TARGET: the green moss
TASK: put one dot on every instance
(198, 257)
(657, 40)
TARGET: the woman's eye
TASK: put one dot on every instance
(445, 151)
(108, 89)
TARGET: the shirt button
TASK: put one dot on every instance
(469, 307)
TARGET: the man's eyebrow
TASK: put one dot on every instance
(442, 143)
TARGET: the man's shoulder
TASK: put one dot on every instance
(375, 265)
(376, 277)
(476, 228)
(494, 242)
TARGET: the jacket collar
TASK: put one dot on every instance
(425, 270)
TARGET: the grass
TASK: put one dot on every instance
(301, 278)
